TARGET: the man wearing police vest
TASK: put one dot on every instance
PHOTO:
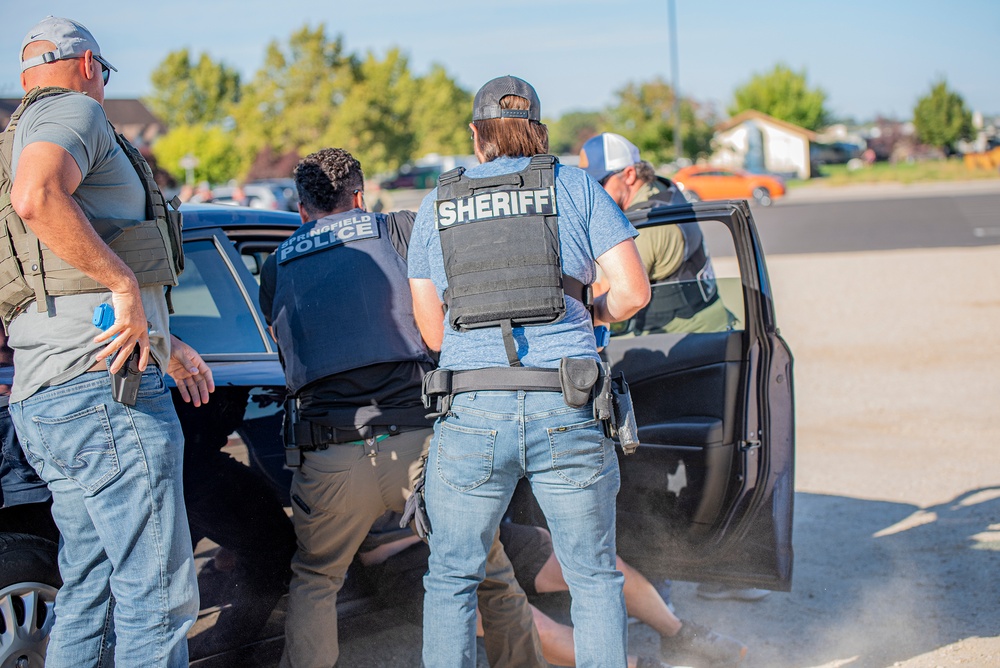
(499, 264)
(335, 295)
(673, 254)
(91, 228)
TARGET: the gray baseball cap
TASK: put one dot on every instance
(72, 40)
(487, 102)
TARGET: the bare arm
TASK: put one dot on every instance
(428, 311)
(628, 285)
(47, 176)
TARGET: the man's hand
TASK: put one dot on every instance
(130, 329)
(187, 368)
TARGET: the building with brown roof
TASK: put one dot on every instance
(130, 117)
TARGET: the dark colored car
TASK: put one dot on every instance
(410, 176)
(707, 497)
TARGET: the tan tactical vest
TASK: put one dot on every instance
(29, 271)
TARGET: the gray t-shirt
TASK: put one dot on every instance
(55, 347)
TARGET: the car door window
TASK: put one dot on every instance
(211, 312)
(700, 299)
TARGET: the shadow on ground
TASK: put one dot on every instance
(875, 583)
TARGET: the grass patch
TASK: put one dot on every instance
(902, 172)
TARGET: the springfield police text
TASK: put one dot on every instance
(329, 233)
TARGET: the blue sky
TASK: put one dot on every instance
(871, 57)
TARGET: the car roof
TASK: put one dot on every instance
(200, 216)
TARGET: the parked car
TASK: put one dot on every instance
(410, 176)
(277, 194)
(708, 183)
(707, 497)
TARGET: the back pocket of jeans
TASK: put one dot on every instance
(577, 452)
(81, 447)
(465, 455)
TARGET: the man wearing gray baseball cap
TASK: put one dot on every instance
(97, 232)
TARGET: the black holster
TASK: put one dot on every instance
(435, 392)
(293, 452)
(625, 428)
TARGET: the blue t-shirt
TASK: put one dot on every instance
(590, 224)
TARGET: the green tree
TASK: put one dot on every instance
(213, 146)
(187, 92)
(941, 117)
(440, 115)
(295, 95)
(645, 115)
(373, 119)
(784, 94)
(572, 129)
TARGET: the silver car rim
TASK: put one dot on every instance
(26, 616)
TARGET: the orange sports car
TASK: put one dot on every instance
(706, 182)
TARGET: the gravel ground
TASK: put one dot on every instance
(897, 518)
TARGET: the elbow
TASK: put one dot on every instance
(29, 201)
(642, 295)
(635, 299)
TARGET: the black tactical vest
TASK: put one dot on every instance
(342, 299)
(29, 271)
(500, 242)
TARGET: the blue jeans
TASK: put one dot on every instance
(481, 448)
(129, 591)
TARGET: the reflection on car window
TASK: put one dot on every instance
(254, 253)
(703, 294)
(210, 312)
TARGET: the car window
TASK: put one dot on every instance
(211, 312)
(703, 296)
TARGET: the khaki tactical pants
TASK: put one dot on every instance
(337, 494)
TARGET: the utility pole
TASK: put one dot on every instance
(676, 79)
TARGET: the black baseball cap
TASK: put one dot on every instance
(487, 102)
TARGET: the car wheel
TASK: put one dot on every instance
(29, 579)
(762, 196)
(692, 196)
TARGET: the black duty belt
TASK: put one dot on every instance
(311, 435)
(506, 378)
(441, 384)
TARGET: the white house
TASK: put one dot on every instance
(754, 141)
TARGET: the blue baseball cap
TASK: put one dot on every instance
(606, 154)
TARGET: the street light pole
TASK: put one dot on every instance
(676, 79)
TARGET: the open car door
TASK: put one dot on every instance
(708, 495)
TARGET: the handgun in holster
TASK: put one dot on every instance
(293, 452)
(125, 383)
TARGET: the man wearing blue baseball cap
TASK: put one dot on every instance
(95, 230)
(674, 254)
